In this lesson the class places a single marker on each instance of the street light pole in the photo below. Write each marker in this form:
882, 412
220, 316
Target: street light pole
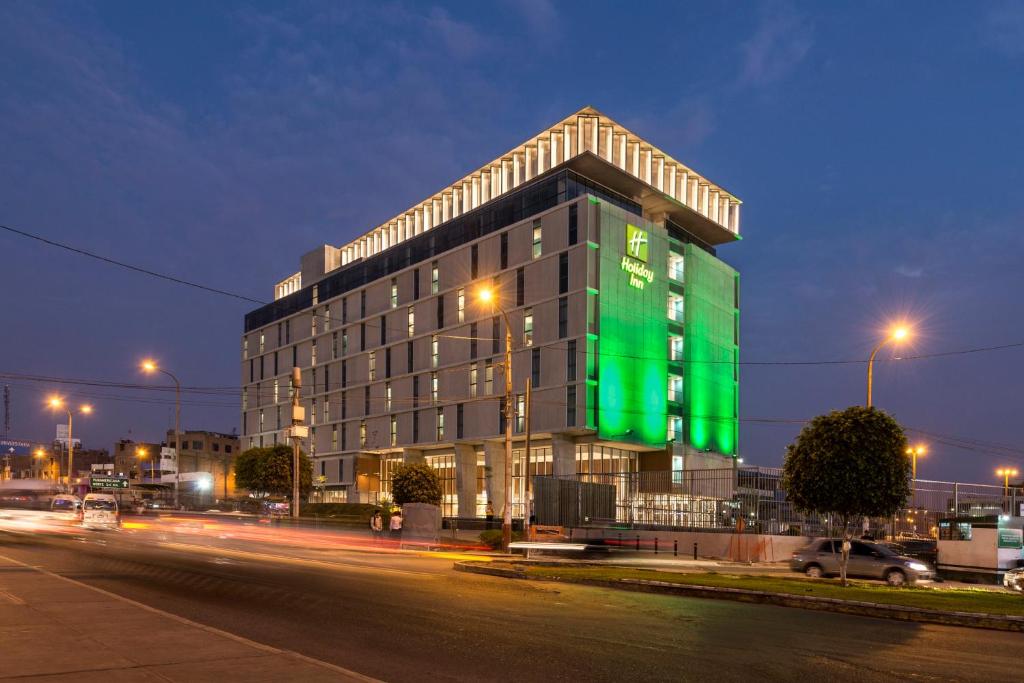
896, 335
151, 366
1006, 473
914, 452
57, 402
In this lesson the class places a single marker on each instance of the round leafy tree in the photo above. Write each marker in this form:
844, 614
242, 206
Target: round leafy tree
848, 464
268, 471
415, 483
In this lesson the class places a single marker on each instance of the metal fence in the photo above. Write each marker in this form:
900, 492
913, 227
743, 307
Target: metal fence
747, 499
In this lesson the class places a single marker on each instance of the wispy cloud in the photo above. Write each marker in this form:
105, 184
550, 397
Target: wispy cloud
1003, 28
909, 271
780, 42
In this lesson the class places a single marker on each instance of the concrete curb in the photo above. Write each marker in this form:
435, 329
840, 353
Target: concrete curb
995, 622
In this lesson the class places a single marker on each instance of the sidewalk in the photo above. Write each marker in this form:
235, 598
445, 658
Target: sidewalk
57, 629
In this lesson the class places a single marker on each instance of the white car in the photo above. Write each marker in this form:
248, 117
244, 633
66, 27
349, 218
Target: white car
99, 511
66, 507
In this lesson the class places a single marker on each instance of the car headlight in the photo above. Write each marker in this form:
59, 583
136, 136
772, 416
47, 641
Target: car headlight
917, 566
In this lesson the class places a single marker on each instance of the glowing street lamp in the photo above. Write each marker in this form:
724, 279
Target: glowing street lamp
915, 452
487, 295
1006, 473
150, 366
58, 403
896, 335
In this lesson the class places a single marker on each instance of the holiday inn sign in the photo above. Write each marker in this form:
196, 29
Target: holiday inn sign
635, 259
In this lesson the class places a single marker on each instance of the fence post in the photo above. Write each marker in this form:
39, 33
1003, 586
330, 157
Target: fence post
695, 550
675, 548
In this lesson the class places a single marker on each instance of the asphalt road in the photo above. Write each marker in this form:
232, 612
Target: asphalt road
402, 618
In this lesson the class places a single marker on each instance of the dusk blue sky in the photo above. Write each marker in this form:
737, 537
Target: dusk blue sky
877, 147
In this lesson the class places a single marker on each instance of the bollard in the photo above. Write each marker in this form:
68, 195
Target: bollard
655, 545
695, 550
675, 548
638, 541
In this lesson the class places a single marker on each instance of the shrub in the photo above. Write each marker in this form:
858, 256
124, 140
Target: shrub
492, 538
416, 483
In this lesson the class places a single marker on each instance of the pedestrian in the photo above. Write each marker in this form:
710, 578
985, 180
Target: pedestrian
489, 511
377, 527
396, 525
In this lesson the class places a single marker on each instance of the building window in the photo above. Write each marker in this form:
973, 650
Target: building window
245, 397
344, 435
440, 311
415, 284
504, 250
280, 331
227, 448
394, 430
313, 317
501, 415
675, 348
415, 392
362, 434
373, 365
366, 400
316, 294
563, 272
675, 308
415, 426
433, 387
461, 302
276, 397
459, 431
312, 353
570, 405
472, 379
334, 349
394, 293
440, 424
344, 310
327, 409
362, 336
387, 397
495, 333
472, 340
675, 266
277, 419
387, 362
488, 378
261, 427
520, 286
536, 239
675, 388
383, 330
433, 351
312, 411
528, 327
334, 437
520, 412
563, 317
362, 304
261, 342
410, 320
344, 374
434, 281
474, 261
327, 318
408, 356
535, 367
287, 331
675, 428
245, 348
344, 343
573, 223
252, 369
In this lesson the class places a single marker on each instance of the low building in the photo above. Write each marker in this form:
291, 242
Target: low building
141, 461
211, 452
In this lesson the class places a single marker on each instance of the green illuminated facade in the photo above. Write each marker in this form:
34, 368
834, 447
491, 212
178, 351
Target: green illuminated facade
663, 347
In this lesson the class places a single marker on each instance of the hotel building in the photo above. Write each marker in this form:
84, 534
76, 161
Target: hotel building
602, 251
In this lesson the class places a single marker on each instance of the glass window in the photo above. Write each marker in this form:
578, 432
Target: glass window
410, 320
387, 397
459, 420
334, 347
488, 378
373, 365
362, 434
472, 380
675, 348
440, 311
472, 340
416, 283
570, 405
474, 260
504, 250
394, 430
520, 286
520, 412
675, 388
528, 327
433, 387
563, 317
563, 272
536, 239
440, 424
261, 342
394, 293
434, 354
535, 367
570, 361
461, 299
573, 224
434, 278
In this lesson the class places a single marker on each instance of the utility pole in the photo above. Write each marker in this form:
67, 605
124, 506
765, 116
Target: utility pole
298, 432
527, 500
506, 522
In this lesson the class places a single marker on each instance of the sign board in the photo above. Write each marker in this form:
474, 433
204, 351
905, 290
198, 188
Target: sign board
1009, 538
105, 481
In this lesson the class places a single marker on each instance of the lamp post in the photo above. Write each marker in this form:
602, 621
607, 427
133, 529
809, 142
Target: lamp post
487, 295
141, 454
39, 454
149, 367
57, 403
898, 334
1006, 473
914, 452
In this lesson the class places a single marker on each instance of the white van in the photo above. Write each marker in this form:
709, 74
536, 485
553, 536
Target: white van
99, 510
66, 507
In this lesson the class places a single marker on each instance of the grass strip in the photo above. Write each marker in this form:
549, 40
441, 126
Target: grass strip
947, 600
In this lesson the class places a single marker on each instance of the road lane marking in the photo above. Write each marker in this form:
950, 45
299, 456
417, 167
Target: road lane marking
11, 598
250, 555
195, 624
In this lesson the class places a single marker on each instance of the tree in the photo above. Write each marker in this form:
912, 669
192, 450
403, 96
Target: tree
268, 471
416, 483
848, 464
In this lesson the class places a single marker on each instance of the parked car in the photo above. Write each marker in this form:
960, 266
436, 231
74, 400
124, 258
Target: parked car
99, 511
924, 549
1014, 579
867, 560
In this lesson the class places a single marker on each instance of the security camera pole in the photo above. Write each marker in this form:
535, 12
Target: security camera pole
298, 432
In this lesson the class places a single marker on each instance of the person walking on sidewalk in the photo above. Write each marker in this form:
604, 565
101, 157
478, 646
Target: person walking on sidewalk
377, 527
396, 525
